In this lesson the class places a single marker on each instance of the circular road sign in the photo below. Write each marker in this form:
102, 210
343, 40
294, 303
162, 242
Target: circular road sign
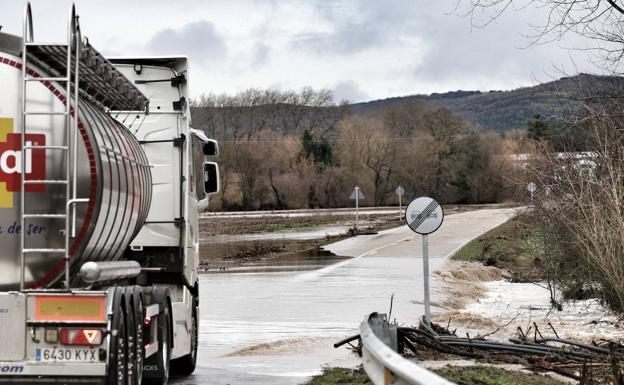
399, 191
531, 187
424, 215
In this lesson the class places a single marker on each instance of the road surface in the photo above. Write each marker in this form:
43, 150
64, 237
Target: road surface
278, 327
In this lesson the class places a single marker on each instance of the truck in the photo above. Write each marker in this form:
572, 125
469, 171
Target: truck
102, 179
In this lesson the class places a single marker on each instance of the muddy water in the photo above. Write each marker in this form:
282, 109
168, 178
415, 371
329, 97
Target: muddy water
289, 263
276, 325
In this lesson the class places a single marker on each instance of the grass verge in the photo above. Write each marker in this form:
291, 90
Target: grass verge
468, 375
336, 376
484, 375
515, 245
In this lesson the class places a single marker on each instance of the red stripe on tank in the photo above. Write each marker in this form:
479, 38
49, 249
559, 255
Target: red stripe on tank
54, 272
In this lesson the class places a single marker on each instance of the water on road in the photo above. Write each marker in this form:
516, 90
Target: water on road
277, 326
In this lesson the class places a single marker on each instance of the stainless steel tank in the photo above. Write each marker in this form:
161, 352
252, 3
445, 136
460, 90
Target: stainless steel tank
112, 172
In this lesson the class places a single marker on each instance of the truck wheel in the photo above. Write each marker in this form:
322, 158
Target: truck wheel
117, 363
138, 334
186, 365
131, 340
160, 362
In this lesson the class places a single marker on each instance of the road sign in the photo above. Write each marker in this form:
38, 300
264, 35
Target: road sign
532, 188
400, 191
424, 215
357, 193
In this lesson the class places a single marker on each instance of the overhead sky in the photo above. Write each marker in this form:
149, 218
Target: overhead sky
361, 49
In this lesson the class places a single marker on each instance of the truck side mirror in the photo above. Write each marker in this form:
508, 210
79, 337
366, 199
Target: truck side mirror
211, 148
211, 177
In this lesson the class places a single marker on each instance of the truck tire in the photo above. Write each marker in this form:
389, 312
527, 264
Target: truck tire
185, 365
137, 299
160, 362
134, 323
117, 364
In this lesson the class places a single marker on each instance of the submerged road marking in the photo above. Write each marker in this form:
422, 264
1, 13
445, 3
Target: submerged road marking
327, 269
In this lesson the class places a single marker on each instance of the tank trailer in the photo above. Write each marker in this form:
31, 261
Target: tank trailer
102, 180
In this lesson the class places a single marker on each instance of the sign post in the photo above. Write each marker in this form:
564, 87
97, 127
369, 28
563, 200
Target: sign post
424, 216
357, 195
400, 191
532, 188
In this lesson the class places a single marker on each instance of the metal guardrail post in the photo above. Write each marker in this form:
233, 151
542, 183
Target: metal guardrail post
385, 366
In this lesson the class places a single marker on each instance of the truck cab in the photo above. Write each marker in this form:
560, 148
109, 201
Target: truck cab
183, 177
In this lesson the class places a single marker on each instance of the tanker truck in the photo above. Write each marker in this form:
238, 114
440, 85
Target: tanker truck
102, 178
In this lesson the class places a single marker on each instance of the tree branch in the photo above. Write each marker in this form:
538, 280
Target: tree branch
615, 6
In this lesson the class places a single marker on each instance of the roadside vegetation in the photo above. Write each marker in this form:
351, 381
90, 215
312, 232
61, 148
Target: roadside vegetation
340, 376
483, 375
514, 246
581, 179
464, 375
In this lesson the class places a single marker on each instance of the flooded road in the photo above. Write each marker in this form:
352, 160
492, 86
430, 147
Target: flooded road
276, 325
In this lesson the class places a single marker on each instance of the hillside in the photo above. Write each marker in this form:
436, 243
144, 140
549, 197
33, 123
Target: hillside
505, 110
493, 110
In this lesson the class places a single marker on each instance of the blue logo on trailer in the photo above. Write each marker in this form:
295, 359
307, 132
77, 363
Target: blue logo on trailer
38, 354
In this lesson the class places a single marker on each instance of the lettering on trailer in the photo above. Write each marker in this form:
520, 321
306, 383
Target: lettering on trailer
11, 162
11, 369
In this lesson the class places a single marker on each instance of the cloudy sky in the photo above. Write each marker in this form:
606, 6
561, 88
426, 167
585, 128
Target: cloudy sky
361, 49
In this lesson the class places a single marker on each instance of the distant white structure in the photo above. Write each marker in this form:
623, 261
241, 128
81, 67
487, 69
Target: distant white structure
583, 159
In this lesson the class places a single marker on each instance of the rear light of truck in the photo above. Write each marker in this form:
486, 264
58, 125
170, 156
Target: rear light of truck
82, 337
70, 308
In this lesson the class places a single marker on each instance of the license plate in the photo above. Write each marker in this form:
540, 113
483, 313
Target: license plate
66, 354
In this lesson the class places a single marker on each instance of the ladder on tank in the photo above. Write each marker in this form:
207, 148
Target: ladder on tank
69, 149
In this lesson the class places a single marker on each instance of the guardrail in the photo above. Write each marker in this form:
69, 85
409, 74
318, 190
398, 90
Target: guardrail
383, 364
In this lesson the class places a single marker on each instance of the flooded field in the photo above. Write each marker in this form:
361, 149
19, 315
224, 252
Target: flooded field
305, 260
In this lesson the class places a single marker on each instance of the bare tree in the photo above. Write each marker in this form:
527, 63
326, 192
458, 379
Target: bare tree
254, 110
583, 207
371, 152
598, 20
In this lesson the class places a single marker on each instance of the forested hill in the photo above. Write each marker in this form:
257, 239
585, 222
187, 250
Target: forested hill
285, 113
506, 110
